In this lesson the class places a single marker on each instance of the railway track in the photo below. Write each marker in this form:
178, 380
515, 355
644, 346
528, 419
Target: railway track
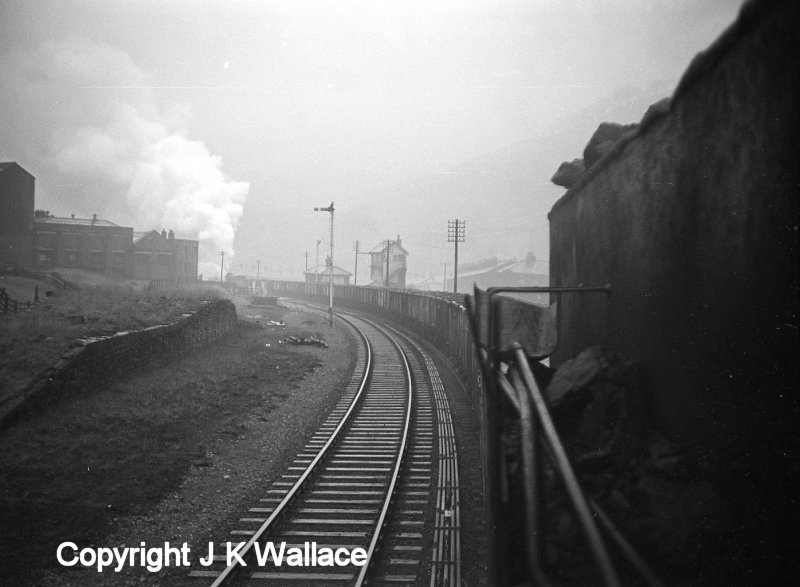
375, 487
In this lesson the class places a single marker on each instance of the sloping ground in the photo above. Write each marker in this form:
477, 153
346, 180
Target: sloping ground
34, 340
23, 289
164, 456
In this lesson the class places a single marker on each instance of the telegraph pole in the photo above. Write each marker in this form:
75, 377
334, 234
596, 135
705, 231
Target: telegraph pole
355, 273
357, 249
388, 244
330, 285
306, 260
316, 263
258, 270
221, 264
455, 234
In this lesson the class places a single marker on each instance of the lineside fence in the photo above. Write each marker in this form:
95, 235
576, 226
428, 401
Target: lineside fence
9, 304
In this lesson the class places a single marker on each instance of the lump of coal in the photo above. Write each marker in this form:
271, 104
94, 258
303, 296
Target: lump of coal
568, 173
603, 139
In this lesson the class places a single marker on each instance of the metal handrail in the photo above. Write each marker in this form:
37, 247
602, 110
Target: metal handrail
564, 467
538, 435
529, 400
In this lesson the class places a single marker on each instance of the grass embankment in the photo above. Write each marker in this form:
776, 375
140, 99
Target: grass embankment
117, 449
34, 340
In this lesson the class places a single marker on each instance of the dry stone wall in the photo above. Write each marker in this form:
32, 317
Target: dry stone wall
126, 353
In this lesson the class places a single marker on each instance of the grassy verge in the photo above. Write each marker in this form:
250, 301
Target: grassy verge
33, 340
116, 450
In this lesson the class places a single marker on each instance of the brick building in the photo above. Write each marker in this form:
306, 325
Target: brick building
35, 239
159, 255
85, 243
389, 256
16, 216
322, 274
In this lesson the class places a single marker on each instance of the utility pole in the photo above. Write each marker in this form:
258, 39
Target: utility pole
388, 245
355, 273
221, 264
455, 234
258, 270
444, 281
357, 249
330, 285
316, 263
306, 261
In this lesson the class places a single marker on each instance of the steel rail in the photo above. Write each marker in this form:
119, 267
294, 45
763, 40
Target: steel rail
446, 552
230, 571
362, 576
446, 559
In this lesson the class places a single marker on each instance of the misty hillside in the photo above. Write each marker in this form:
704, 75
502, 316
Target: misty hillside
504, 195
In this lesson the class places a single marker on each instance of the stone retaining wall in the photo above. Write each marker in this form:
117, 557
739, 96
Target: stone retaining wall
124, 354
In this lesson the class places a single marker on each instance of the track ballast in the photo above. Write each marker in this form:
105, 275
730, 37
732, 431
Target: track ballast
363, 483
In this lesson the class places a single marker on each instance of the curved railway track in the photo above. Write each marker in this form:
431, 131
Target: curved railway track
377, 479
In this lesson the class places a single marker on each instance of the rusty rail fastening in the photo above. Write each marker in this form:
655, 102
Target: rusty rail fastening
513, 379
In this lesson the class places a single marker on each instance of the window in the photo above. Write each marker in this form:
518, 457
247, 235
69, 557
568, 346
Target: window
96, 258
70, 257
70, 241
96, 242
45, 257
118, 259
46, 240
163, 259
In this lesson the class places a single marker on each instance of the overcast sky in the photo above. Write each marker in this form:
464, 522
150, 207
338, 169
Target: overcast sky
221, 118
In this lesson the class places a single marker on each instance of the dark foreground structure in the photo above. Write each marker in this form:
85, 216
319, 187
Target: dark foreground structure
693, 221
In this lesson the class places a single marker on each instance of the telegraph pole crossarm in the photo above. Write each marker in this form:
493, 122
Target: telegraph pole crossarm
455, 234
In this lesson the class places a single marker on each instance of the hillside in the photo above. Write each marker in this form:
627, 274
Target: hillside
504, 195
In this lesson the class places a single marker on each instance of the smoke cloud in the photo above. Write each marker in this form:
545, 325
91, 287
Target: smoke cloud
120, 153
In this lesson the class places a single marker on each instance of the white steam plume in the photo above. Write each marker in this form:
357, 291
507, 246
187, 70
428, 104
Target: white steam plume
171, 181
109, 133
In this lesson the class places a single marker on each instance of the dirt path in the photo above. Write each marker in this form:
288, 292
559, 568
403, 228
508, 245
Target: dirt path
175, 455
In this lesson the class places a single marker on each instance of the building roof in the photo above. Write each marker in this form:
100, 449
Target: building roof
499, 266
139, 235
4, 165
322, 270
75, 221
396, 247
529, 266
